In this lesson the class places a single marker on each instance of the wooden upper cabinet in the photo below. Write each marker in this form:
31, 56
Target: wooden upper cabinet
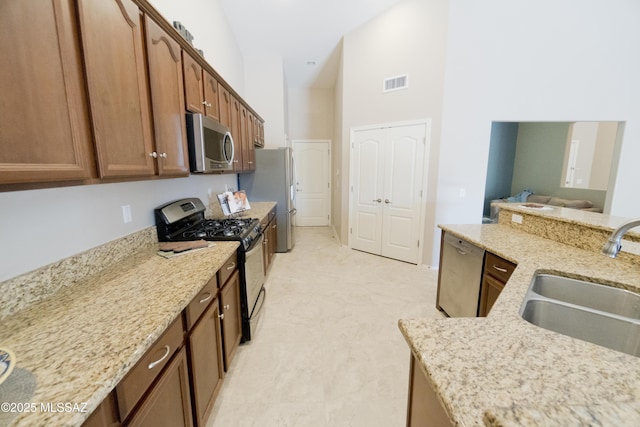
167, 101
211, 96
237, 133
193, 84
201, 89
112, 37
44, 122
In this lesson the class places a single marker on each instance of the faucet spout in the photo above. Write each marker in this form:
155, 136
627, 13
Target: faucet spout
613, 246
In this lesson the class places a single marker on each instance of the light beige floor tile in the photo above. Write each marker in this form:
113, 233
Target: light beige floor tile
327, 350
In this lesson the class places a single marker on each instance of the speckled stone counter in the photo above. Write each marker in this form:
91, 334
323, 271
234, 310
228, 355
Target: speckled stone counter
82, 340
503, 371
258, 210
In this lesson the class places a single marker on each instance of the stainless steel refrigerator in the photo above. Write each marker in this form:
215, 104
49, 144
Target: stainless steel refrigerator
274, 180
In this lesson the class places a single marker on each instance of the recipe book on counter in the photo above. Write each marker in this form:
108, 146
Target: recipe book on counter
233, 202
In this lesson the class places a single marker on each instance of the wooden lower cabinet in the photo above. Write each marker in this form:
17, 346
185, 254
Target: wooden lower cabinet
169, 401
424, 408
105, 415
494, 277
231, 317
206, 362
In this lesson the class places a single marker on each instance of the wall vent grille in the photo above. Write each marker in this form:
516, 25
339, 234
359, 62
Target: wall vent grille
395, 83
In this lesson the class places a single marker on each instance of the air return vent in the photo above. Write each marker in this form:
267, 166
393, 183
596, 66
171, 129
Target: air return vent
395, 83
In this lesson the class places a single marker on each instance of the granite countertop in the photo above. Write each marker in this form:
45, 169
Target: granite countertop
503, 371
80, 342
258, 210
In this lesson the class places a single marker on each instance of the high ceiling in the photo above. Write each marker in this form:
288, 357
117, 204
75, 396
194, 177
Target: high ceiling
305, 33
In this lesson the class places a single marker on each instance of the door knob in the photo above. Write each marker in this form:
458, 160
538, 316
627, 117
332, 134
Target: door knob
377, 200
387, 201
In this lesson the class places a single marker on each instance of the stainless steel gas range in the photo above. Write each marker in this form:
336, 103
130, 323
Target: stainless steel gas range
183, 220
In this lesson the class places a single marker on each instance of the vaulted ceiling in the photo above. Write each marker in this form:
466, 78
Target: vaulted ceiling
305, 33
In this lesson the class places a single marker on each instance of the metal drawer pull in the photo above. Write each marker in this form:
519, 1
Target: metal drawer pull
167, 350
221, 316
502, 270
207, 298
231, 266
227, 306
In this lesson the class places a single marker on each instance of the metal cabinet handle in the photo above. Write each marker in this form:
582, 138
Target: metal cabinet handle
221, 316
153, 154
227, 307
265, 241
204, 103
167, 350
274, 226
231, 266
207, 298
502, 270
387, 201
162, 155
250, 163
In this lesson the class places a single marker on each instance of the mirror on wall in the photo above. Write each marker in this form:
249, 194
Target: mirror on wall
570, 160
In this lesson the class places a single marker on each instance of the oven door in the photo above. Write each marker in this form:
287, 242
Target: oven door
254, 277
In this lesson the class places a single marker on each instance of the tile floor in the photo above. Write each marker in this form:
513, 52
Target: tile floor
328, 351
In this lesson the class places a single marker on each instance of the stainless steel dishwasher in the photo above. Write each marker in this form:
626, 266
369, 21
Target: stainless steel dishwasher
460, 277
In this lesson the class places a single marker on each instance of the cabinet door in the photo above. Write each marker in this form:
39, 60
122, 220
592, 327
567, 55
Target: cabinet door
207, 367
44, 121
105, 415
231, 318
193, 84
211, 96
250, 163
167, 101
169, 402
236, 132
424, 408
491, 289
112, 38
224, 99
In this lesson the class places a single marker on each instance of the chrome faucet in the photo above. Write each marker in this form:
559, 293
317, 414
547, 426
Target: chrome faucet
612, 246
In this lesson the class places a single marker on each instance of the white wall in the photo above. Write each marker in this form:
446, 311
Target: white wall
542, 60
211, 32
311, 113
266, 93
408, 38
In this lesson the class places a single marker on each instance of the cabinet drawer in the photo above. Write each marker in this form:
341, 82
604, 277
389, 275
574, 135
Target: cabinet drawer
137, 381
198, 305
498, 267
227, 269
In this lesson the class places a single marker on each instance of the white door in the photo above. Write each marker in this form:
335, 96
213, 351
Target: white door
388, 170
312, 183
368, 177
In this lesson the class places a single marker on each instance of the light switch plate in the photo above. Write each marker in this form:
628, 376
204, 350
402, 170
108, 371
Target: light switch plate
126, 214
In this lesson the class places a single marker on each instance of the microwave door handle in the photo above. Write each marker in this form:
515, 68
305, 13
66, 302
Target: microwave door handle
228, 137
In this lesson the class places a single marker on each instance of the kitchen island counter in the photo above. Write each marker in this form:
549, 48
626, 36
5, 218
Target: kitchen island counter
503, 371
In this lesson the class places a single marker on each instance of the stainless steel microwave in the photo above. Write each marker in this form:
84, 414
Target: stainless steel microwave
210, 145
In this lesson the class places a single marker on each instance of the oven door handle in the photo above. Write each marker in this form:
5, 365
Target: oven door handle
256, 246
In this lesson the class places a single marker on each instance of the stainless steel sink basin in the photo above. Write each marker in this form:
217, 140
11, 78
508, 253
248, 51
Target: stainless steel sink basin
591, 312
587, 294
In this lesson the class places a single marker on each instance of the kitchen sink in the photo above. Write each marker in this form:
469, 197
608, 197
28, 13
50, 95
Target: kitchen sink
591, 312
587, 294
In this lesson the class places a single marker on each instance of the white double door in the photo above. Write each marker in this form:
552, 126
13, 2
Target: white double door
387, 177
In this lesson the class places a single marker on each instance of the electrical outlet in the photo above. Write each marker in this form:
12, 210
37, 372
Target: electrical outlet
516, 218
126, 214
